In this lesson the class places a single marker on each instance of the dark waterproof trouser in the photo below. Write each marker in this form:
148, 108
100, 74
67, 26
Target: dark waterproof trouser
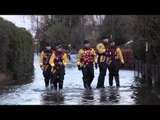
47, 75
102, 74
57, 77
88, 75
114, 71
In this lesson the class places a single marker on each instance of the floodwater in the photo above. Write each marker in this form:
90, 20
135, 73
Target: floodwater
34, 93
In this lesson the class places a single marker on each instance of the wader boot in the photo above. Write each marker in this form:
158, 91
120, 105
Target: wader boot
117, 81
100, 83
110, 80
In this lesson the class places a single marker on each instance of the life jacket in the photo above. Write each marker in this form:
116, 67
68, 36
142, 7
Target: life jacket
87, 56
112, 52
47, 55
58, 58
107, 54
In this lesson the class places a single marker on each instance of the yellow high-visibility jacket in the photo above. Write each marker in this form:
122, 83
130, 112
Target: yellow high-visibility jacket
101, 49
43, 56
82, 54
119, 55
44, 60
53, 57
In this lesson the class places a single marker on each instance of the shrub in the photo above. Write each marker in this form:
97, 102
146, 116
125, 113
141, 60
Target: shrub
16, 50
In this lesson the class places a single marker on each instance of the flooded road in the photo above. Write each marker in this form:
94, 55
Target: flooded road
34, 93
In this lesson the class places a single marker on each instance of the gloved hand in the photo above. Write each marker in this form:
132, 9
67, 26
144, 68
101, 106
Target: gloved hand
41, 66
57, 67
79, 68
65, 64
122, 65
52, 65
96, 65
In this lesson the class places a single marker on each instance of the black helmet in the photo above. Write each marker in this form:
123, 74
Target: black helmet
110, 41
48, 44
59, 46
86, 42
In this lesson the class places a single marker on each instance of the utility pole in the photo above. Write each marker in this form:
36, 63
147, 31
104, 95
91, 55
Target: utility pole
146, 71
112, 27
148, 65
37, 37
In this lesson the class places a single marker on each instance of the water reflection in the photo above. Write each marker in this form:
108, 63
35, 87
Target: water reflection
114, 95
109, 95
103, 95
145, 96
88, 97
52, 98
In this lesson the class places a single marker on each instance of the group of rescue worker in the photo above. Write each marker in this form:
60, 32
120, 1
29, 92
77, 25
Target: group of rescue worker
53, 65
109, 56
106, 55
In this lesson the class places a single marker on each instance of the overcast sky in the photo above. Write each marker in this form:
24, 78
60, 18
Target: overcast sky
24, 21
19, 20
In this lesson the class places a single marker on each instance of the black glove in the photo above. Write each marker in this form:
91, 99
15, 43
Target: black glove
41, 66
79, 67
122, 65
96, 65
56, 67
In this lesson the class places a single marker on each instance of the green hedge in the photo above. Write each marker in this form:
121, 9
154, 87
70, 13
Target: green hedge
16, 50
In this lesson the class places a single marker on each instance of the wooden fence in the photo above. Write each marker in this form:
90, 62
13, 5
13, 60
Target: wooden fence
150, 74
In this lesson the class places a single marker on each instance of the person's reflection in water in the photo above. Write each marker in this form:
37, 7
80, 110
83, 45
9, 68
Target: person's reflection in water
53, 98
88, 96
114, 95
103, 95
